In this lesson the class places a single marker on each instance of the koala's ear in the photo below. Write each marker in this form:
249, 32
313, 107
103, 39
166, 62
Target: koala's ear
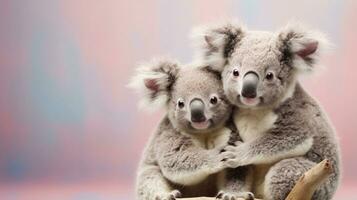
153, 80
214, 44
301, 48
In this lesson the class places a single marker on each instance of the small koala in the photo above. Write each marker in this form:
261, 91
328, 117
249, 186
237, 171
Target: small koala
182, 156
284, 130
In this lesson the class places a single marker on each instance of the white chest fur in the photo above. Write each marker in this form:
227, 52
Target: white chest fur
212, 140
253, 124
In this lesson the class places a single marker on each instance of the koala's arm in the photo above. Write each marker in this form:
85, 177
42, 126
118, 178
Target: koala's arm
151, 183
184, 162
290, 137
238, 181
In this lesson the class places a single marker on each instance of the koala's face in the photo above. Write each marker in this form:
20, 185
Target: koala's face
193, 95
255, 76
259, 69
198, 103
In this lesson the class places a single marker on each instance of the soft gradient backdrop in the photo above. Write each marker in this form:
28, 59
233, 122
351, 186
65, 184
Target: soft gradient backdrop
70, 129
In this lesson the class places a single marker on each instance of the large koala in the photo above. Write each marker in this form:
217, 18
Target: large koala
181, 158
284, 130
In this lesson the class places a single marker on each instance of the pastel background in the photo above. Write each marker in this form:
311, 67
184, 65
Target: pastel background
70, 129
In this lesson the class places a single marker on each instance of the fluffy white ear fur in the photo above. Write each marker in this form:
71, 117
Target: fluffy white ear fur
211, 43
305, 45
153, 80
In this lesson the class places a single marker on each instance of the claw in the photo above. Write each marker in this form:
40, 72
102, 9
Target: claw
219, 195
228, 155
230, 148
230, 163
247, 195
237, 143
176, 193
168, 196
232, 143
235, 196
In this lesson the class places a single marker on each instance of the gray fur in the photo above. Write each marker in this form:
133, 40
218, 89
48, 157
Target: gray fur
181, 160
284, 130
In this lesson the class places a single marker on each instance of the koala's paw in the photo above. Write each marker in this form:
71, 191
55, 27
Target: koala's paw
237, 143
235, 196
168, 196
234, 156
246, 195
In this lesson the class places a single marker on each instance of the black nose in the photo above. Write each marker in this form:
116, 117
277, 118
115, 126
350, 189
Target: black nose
197, 110
250, 83
249, 92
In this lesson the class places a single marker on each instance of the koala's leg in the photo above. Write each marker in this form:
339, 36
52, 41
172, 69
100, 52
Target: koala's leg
282, 177
151, 185
236, 183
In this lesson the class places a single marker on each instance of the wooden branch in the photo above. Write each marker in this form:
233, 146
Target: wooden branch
304, 187
310, 181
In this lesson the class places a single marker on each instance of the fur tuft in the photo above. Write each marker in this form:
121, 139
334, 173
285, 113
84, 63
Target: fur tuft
153, 81
303, 46
214, 43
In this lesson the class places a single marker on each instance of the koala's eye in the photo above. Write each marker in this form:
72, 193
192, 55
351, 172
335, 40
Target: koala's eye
180, 103
213, 100
269, 76
235, 72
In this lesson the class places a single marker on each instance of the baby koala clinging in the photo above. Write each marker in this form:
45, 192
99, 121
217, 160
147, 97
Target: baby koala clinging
181, 158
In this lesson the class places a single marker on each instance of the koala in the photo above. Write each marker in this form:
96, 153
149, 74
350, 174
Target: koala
182, 156
284, 130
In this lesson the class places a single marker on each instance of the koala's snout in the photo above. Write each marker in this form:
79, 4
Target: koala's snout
250, 83
197, 108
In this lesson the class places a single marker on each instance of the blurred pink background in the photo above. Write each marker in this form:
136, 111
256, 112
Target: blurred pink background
70, 129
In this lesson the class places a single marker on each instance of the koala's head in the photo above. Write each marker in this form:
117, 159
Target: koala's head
193, 95
259, 69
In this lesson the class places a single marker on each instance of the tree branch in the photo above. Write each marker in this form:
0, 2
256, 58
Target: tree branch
310, 181
304, 187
